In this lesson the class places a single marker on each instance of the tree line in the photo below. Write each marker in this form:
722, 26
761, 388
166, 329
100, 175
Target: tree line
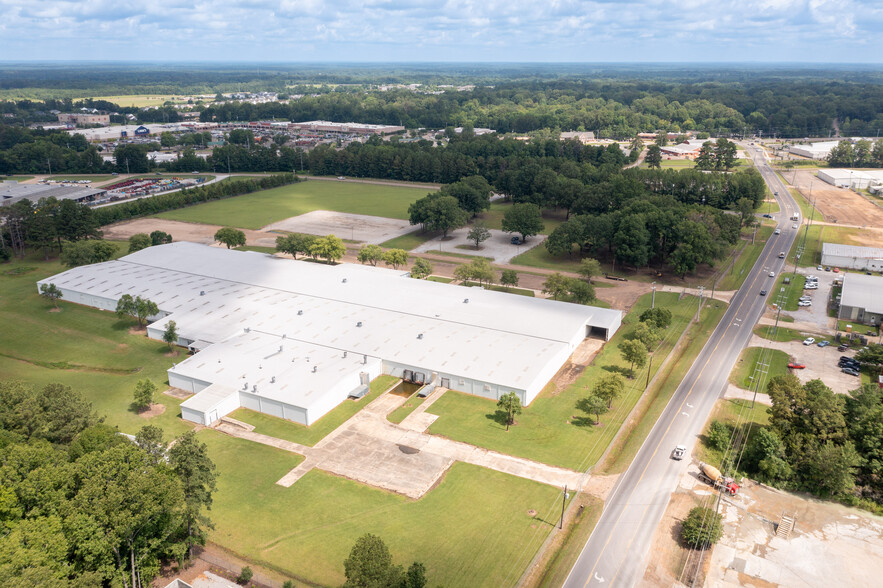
83, 505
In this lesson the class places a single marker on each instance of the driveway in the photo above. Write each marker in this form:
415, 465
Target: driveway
818, 312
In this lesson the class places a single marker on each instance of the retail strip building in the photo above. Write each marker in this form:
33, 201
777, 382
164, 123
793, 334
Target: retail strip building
294, 339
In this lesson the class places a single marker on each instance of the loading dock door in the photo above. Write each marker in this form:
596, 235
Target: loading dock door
408, 376
596, 332
446, 383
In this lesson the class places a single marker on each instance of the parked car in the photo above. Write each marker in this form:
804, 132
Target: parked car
851, 371
797, 366
820, 268
836, 270
809, 341
827, 268
804, 303
515, 240
678, 452
823, 343
767, 216
842, 347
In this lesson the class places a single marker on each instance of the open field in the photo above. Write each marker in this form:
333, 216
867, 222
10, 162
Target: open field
142, 100
308, 529
838, 205
742, 374
90, 350
741, 266
297, 433
551, 430
816, 234
258, 209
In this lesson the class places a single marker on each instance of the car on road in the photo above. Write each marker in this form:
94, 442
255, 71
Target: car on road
823, 343
515, 240
341, 178
809, 341
767, 216
763, 292
797, 366
777, 232
794, 226
781, 255
772, 274
851, 371
678, 452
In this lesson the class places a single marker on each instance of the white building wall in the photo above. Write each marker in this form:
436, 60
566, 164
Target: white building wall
859, 263
186, 383
460, 383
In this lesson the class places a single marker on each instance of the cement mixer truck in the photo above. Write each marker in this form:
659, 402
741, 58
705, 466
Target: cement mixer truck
712, 475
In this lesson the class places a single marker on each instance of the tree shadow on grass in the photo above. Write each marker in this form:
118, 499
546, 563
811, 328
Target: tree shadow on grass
583, 421
618, 369
498, 417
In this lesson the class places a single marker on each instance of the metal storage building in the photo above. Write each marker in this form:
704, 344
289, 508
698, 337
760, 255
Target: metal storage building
852, 257
861, 299
295, 338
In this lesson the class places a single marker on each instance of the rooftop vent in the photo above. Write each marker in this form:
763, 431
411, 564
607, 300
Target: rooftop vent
359, 324
247, 330
254, 388
273, 380
315, 367
300, 312
465, 301
344, 353
420, 335
202, 292
364, 359
343, 281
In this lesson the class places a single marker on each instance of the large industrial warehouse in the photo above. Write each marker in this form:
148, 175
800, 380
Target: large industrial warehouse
294, 339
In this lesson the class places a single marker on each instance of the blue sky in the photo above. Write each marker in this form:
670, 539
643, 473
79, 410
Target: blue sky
845, 31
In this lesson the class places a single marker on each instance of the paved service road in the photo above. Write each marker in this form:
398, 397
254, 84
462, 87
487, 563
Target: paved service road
616, 553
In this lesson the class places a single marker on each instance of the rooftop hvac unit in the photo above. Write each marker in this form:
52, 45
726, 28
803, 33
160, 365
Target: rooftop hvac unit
315, 368
420, 335
202, 292
300, 312
359, 324
364, 359
344, 353
343, 281
465, 301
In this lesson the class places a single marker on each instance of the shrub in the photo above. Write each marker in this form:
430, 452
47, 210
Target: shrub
702, 528
245, 575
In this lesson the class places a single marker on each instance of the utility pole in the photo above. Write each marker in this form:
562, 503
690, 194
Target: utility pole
649, 369
50, 165
563, 503
698, 308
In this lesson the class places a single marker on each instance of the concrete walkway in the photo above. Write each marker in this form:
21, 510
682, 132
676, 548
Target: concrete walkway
370, 449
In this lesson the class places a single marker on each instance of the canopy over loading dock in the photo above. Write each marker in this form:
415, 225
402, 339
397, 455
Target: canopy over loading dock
244, 308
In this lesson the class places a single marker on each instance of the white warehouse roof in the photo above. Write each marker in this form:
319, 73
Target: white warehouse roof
862, 291
214, 294
841, 250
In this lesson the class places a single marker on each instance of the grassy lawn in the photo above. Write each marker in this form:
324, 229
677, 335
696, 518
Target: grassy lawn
88, 349
15, 178
297, 433
540, 257
624, 450
142, 100
576, 536
93, 177
551, 430
454, 254
740, 268
770, 206
258, 209
258, 248
743, 374
410, 405
307, 530
793, 291
411, 240
815, 235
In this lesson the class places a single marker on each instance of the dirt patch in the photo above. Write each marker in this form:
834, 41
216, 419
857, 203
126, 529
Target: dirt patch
172, 353
54, 310
178, 393
138, 331
181, 231
600, 486
531, 513
154, 410
837, 204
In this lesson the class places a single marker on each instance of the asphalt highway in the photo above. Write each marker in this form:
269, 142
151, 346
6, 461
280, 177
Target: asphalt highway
616, 553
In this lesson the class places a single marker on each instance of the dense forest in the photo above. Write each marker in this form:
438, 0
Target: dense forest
613, 101
82, 505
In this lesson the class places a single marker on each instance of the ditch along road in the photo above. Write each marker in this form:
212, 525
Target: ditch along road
616, 553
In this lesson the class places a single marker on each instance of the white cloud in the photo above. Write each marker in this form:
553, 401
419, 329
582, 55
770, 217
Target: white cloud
463, 30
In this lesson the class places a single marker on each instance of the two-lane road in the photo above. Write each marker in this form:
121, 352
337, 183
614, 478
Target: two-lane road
616, 553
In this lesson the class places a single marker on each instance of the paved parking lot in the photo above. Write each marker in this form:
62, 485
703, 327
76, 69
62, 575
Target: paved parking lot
821, 363
498, 248
357, 227
818, 312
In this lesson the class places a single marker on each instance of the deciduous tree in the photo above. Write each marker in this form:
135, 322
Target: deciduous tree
509, 278
525, 219
478, 234
230, 237
143, 395
370, 254
702, 528
395, 257
593, 404
421, 269
51, 292
139, 241
190, 461
170, 334
608, 388
634, 352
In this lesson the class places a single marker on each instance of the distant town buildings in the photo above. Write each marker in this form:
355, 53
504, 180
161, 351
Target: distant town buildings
12, 192
77, 118
325, 126
584, 137
858, 179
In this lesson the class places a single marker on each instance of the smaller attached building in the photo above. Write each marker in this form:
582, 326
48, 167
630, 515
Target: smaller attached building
853, 257
862, 299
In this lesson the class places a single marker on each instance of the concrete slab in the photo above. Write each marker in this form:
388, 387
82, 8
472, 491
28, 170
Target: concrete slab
356, 227
498, 248
821, 363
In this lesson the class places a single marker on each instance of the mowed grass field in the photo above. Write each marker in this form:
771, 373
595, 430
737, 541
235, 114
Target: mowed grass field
551, 430
90, 350
258, 209
473, 529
